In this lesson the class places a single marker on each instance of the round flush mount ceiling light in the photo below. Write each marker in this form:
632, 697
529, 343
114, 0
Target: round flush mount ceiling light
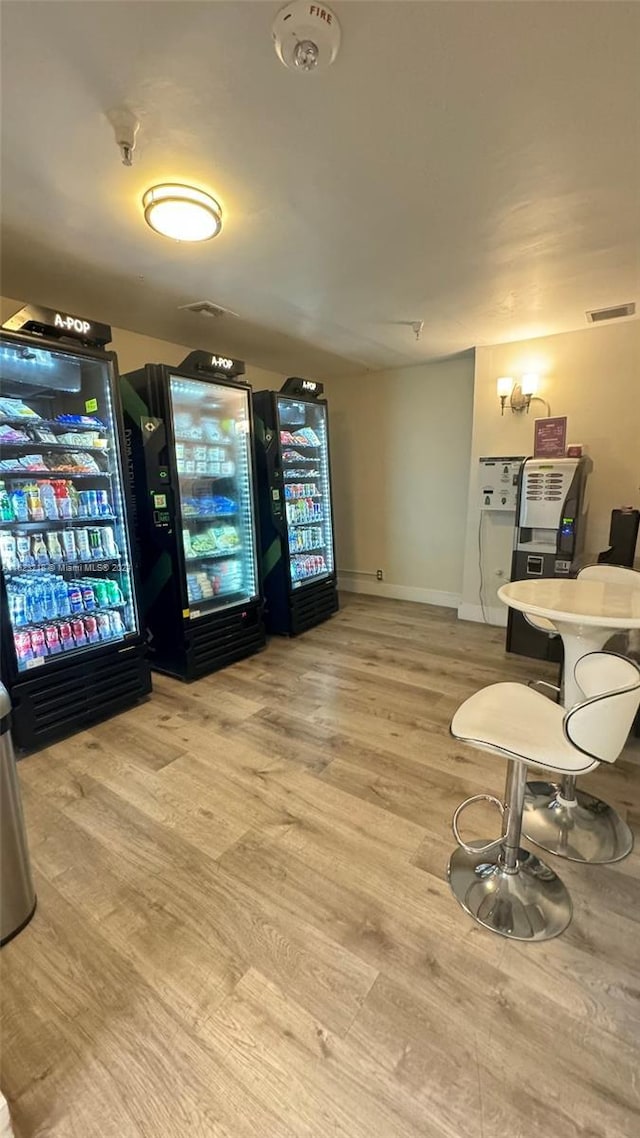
182, 212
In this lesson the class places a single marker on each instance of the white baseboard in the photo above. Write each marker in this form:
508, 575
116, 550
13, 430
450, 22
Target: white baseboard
373, 588
491, 615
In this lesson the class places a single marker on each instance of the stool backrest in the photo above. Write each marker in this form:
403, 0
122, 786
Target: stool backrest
599, 726
611, 575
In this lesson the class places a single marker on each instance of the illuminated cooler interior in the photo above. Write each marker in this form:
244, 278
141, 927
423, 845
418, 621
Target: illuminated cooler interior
215, 488
64, 545
307, 489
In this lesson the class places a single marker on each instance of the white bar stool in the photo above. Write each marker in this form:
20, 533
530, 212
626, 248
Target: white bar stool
559, 817
502, 886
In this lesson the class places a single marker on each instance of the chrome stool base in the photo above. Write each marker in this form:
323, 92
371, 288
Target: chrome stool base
588, 830
529, 904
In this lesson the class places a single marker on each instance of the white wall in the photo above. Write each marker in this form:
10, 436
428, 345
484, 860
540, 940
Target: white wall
593, 377
134, 350
400, 455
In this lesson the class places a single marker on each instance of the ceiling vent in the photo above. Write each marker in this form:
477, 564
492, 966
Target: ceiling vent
206, 308
597, 315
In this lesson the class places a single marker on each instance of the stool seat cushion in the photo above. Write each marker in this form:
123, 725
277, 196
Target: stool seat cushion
514, 721
542, 623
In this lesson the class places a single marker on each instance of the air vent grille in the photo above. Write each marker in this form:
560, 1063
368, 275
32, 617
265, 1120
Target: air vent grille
597, 315
206, 308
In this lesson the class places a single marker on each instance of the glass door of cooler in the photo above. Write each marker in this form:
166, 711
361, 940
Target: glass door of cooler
64, 543
304, 451
211, 425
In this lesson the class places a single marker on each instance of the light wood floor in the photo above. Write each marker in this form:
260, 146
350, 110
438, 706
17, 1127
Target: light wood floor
244, 928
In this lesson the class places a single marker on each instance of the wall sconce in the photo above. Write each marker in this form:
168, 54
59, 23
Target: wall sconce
518, 394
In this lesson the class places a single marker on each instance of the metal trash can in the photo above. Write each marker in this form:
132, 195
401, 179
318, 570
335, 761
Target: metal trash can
17, 895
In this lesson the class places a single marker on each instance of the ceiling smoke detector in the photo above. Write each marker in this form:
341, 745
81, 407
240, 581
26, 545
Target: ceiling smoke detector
597, 315
206, 308
306, 36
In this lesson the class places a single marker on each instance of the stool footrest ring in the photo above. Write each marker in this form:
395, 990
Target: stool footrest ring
474, 850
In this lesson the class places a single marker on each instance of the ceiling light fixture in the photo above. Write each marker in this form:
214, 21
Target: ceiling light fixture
182, 212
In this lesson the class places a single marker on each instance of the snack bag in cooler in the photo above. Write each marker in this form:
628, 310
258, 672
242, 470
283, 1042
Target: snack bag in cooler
16, 409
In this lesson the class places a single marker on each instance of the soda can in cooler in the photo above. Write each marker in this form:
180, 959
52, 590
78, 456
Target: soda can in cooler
95, 543
78, 631
52, 639
115, 592
66, 636
104, 625
103, 504
83, 504
24, 650
38, 642
101, 593
117, 625
88, 595
91, 628
75, 597
92, 503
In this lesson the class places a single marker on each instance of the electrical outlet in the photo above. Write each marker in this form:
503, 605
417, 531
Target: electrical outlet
380, 574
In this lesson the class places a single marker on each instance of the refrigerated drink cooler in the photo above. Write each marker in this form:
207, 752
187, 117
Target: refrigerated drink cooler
72, 647
296, 511
190, 432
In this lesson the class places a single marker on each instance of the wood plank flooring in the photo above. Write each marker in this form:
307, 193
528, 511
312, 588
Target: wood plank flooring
244, 928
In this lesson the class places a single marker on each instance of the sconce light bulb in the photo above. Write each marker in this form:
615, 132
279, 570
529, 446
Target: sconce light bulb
504, 386
529, 383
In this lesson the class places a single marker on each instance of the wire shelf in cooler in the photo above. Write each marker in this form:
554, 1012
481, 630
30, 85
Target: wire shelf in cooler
81, 614
209, 477
311, 522
58, 523
100, 565
208, 517
309, 549
213, 555
205, 442
46, 474
51, 424
68, 448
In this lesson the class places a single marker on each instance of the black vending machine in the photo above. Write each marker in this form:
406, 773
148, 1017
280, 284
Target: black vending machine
549, 538
191, 461
296, 510
72, 646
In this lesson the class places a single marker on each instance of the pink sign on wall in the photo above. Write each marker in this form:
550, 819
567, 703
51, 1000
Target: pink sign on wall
550, 437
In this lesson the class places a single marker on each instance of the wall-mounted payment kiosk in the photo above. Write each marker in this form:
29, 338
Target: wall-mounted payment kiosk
549, 538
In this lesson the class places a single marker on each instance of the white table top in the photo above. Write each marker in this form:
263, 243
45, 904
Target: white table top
575, 602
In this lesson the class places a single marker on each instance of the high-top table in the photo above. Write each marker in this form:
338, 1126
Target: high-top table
585, 613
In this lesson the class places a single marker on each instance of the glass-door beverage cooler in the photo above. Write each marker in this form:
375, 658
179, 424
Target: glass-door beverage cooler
72, 647
192, 470
296, 510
